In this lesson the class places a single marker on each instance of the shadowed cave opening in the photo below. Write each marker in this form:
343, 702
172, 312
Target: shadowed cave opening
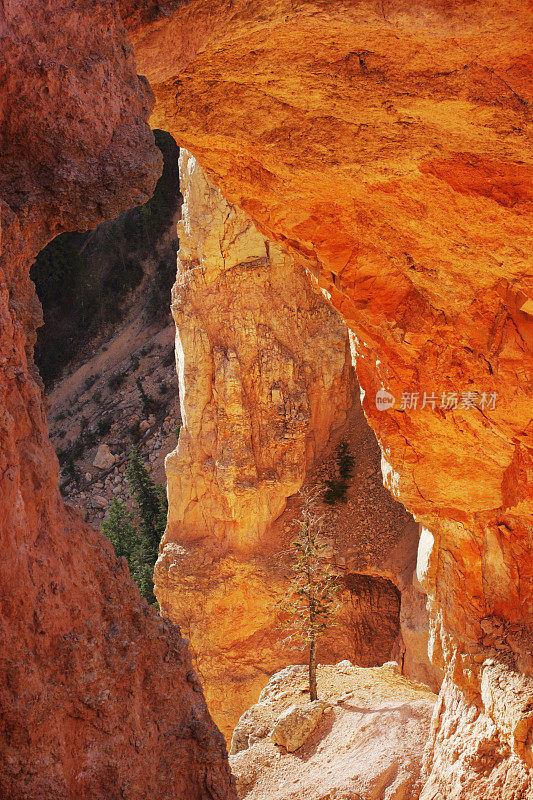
370, 620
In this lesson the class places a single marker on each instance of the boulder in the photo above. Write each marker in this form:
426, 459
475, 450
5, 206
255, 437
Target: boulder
294, 726
104, 458
99, 501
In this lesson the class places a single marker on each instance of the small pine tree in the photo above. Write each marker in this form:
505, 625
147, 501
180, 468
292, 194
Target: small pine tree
144, 397
345, 461
311, 604
120, 529
152, 505
150, 404
337, 487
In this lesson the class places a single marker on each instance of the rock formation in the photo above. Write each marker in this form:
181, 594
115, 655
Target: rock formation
265, 379
98, 697
294, 725
385, 146
263, 365
364, 739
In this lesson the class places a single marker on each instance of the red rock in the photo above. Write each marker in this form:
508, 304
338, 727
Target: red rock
97, 693
386, 147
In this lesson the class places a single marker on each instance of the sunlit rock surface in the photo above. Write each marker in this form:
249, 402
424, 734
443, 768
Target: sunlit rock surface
264, 370
387, 147
367, 744
265, 384
263, 365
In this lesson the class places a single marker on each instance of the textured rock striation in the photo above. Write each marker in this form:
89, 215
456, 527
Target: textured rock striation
412, 120
265, 383
262, 363
264, 373
98, 697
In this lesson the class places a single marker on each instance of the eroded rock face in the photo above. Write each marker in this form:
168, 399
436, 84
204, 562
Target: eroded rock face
264, 373
262, 363
265, 378
480, 755
98, 697
412, 121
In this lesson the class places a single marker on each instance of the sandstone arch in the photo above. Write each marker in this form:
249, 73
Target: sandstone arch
419, 238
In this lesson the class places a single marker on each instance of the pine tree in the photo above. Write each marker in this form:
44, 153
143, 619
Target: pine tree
345, 461
152, 507
337, 486
311, 605
120, 530
139, 541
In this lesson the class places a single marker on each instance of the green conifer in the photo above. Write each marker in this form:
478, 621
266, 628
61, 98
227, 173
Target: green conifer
139, 542
152, 505
120, 530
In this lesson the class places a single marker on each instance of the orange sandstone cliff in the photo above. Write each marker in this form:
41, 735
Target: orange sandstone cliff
266, 384
98, 697
385, 146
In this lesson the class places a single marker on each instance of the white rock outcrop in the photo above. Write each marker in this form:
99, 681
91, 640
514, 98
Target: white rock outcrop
294, 726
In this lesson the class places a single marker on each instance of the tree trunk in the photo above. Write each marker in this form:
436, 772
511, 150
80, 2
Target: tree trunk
312, 670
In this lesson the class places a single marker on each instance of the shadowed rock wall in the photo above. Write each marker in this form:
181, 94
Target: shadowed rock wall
98, 697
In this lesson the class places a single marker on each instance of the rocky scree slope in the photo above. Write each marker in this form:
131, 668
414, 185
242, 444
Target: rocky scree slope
115, 378
91, 284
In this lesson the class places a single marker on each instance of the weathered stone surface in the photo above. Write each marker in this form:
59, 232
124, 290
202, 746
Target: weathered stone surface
466, 752
265, 377
419, 229
294, 725
263, 365
412, 121
94, 696
368, 745
104, 458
